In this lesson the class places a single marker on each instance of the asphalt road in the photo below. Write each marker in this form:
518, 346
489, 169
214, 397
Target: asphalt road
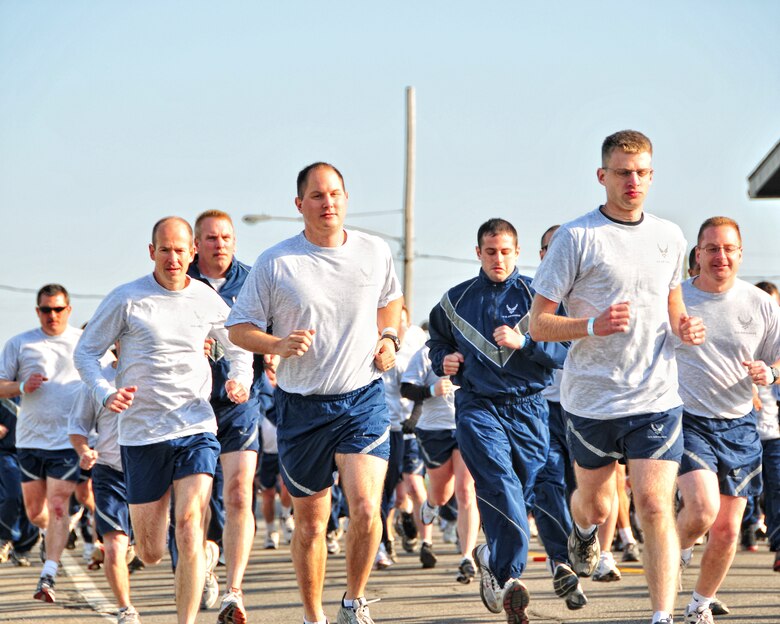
408, 593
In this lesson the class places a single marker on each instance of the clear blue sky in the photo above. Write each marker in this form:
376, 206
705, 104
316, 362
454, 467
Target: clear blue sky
113, 114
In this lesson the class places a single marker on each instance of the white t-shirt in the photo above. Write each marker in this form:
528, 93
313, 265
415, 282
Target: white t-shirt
398, 407
743, 324
592, 263
161, 334
335, 291
438, 412
768, 425
43, 415
89, 417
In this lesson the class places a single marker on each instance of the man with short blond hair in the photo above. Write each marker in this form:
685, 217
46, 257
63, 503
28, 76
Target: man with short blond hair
215, 264
617, 271
721, 465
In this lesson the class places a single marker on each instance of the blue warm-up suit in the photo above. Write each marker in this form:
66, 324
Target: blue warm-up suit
501, 417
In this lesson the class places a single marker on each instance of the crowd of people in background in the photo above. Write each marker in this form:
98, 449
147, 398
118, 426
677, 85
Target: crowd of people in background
603, 403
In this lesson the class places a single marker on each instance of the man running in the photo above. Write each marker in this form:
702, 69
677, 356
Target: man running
334, 302
617, 271
163, 382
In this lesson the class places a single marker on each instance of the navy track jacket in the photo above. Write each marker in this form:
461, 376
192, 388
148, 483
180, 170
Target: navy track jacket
465, 319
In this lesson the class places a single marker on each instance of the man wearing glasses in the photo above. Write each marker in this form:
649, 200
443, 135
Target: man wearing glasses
38, 366
721, 465
617, 270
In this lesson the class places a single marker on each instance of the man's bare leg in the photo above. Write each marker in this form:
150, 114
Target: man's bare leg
57, 497
652, 482
468, 513
150, 528
191, 497
701, 502
309, 552
591, 502
238, 534
721, 545
34, 495
115, 566
362, 479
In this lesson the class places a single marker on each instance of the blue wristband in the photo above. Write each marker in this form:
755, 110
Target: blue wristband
591, 323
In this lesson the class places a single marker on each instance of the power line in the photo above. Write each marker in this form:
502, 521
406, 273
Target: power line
34, 291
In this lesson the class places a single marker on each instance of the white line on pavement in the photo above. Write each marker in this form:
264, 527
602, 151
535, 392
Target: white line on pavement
86, 588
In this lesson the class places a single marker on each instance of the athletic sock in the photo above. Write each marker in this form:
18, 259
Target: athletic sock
626, 536
661, 615
347, 604
50, 568
686, 554
286, 514
586, 532
305, 621
698, 599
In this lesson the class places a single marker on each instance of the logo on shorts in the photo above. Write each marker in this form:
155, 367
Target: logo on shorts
68, 462
735, 472
656, 431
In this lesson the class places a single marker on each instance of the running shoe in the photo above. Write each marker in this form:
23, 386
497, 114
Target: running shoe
20, 559
45, 589
749, 539
489, 589
515, 599
566, 585
583, 553
72, 537
427, 557
127, 616
684, 563
408, 532
272, 541
390, 550
97, 558
631, 553
449, 531
86, 553
232, 609
466, 571
332, 543
699, 615
718, 607
382, 561
356, 614
5, 550
428, 513
288, 526
210, 594
606, 570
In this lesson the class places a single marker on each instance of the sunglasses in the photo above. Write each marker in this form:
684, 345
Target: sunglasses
49, 310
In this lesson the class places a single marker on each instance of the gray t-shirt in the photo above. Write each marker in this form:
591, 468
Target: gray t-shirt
438, 412
161, 334
88, 416
742, 324
592, 263
43, 414
335, 291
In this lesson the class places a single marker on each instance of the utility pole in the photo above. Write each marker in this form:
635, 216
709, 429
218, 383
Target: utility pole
408, 243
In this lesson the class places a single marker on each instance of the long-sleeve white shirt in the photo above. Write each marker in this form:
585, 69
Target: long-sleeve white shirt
161, 334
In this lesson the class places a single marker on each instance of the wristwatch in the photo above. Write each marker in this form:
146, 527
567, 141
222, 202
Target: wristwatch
394, 338
775, 373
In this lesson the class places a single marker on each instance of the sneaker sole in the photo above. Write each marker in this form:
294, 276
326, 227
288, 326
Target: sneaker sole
576, 600
483, 576
231, 615
565, 585
609, 577
515, 604
428, 560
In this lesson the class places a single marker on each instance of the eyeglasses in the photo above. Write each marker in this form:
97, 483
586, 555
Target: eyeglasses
727, 249
626, 173
49, 310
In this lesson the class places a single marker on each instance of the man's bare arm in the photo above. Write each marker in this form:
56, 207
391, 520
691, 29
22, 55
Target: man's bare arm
390, 315
689, 329
547, 326
254, 340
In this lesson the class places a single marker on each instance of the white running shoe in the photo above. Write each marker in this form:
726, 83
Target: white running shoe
428, 513
210, 594
288, 526
232, 611
489, 589
607, 570
382, 561
356, 614
700, 615
583, 553
272, 540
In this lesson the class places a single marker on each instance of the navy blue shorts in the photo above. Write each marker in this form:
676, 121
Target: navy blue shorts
730, 448
268, 471
150, 469
436, 446
111, 510
38, 464
413, 463
237, 428
597, 443
311, 430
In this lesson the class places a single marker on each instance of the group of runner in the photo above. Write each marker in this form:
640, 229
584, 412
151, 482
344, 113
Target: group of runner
527, 397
